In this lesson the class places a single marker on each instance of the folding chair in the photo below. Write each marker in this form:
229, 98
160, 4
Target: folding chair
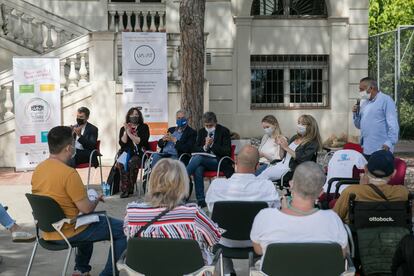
161, 257
89, 165
49, 217
379, 223
303, 259
227, 214
146, 162
214, 174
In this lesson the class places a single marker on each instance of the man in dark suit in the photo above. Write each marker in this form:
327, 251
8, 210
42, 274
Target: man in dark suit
213, 142
178, 140
86, 136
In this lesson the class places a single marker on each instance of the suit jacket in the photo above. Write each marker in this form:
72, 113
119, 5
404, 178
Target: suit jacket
88, 140
221, 146
186, 142
143, 133
304, 152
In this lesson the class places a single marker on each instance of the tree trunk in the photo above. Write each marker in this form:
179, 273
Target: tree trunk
192, 59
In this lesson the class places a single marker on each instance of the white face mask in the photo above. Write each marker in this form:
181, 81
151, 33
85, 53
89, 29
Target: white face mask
364, 95
210, 130
301, 129
269, 130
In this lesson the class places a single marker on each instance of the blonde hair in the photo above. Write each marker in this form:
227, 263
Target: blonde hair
270, 119
312, 130
168, 184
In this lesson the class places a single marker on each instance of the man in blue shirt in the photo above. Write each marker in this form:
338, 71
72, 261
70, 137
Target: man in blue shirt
376, 117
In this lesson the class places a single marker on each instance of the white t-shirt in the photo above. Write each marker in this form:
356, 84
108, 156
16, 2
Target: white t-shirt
341, 165
273, 226
269, 147
241, 187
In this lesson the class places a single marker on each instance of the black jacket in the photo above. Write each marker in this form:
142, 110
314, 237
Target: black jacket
186, 142
221, 146
304, 152
88, 140
143, 133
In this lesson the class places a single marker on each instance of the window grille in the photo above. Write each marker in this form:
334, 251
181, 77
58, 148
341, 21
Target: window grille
289, 81
289, 8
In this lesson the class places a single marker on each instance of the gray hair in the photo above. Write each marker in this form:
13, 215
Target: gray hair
182, 111
370, 82
308, 180
209, 117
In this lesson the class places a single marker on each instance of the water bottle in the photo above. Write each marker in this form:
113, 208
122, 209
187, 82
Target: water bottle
106, 189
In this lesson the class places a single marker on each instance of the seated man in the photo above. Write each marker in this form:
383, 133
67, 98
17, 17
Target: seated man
178, 140
299, 221
86, 135
54, 178
243, 185
378, 172
213, 142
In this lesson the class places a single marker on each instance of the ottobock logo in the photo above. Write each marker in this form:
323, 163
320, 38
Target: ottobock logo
381, 219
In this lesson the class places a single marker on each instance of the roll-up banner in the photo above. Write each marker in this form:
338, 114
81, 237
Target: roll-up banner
144, 76
37, 107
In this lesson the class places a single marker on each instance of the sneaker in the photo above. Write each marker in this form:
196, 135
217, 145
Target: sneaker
78, 273
21, 236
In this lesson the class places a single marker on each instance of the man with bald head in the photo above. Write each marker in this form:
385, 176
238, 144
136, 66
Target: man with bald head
243, 185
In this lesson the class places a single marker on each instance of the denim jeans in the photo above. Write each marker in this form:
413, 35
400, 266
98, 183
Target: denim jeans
157, 157
5, 219
96, 232
198, 164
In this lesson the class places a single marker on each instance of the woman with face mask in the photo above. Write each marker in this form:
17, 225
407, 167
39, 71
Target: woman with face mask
269, 150
301, 147
133, 138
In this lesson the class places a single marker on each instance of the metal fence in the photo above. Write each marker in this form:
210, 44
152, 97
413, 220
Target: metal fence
391, 62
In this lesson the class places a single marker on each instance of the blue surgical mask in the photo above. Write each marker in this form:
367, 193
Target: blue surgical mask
181, 122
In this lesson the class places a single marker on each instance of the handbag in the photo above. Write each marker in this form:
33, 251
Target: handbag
113, 179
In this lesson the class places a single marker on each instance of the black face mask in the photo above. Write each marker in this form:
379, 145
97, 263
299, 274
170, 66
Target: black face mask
80, 121
134, 120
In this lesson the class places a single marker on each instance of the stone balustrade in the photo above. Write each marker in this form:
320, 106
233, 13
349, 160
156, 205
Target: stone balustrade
136, 17
34, 28
74, 74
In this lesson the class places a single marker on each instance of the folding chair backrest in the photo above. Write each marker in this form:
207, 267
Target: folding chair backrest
364, 214
236, 217
400, 171
153, 145
303, 259
160, 257
45, 211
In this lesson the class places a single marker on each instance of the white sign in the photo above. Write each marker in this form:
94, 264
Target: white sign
144, 76
37, 107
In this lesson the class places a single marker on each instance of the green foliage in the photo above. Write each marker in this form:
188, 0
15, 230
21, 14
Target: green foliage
386, 15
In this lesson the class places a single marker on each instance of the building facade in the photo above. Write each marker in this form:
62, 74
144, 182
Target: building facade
280, 57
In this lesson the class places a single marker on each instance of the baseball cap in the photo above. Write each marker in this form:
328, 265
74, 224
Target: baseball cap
381, 163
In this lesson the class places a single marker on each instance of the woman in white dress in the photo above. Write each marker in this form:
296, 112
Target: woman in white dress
301, 147
269, 150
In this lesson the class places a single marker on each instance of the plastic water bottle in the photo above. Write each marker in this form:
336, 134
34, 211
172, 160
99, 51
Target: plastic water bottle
106, 189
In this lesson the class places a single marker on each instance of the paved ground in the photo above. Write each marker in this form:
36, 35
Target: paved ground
16, 256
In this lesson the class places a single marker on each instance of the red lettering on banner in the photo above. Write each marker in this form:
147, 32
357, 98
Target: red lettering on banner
28, 139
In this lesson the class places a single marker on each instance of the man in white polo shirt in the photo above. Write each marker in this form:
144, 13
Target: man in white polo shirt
243, 185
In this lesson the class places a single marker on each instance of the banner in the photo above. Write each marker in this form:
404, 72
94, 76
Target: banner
144, 76
37, 107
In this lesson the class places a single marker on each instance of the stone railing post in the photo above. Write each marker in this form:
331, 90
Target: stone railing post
62, 76
83, 73
73, 76
8, 104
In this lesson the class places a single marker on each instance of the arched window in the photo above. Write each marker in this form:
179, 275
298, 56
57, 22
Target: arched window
289, 8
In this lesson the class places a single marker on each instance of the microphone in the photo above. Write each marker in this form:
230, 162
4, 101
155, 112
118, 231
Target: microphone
210, 134
358, 106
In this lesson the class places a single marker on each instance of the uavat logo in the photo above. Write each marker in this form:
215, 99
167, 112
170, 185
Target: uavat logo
144, 55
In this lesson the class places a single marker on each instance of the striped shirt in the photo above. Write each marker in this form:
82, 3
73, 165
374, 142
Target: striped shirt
183, 222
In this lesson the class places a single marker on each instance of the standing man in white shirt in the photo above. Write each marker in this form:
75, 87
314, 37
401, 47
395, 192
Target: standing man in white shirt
243, 185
